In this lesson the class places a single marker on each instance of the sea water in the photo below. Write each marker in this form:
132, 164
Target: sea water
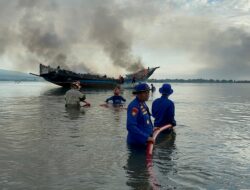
43, 145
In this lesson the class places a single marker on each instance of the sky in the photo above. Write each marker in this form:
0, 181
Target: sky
186, 38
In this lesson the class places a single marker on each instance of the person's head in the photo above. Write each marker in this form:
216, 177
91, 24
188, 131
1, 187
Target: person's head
117, 91
76, 85
166, 89
152, 84
142, 91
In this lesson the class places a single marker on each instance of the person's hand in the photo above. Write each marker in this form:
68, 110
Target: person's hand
87, 104
151, 140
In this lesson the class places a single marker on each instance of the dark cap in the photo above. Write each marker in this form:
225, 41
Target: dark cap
166, 89
142, 87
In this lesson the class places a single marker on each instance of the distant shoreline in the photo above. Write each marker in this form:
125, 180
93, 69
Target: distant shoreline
196, 81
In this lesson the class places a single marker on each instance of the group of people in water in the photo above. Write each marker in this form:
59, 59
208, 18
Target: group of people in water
139, 124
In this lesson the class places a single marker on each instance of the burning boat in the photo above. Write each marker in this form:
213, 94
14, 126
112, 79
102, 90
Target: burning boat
64, 77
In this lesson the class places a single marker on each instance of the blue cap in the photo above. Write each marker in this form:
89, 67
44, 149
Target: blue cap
166, 89
142, 87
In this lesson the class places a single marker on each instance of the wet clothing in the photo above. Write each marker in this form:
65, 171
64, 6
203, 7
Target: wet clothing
139, 124
116, 99
73, 97
163, 110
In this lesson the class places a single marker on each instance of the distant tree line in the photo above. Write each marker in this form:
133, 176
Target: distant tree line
196, 81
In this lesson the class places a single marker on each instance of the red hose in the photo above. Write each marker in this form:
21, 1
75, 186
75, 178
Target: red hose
153, 181
150, 145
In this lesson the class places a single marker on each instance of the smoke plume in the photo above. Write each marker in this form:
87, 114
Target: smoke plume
62, 33
94, 35
114, 38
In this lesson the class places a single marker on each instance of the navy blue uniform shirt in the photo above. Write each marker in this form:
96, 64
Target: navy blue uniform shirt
116, 99
163, 111
139, 124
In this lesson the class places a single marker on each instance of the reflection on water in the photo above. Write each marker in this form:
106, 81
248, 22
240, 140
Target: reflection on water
55, 91
139, 175
164, 155
74, 112
44, 145
136, 168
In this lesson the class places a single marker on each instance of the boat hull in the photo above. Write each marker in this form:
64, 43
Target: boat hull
64, 78
84, 82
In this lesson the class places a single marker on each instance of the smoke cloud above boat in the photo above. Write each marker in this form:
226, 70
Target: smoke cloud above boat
66, 33
199, 38
108, 30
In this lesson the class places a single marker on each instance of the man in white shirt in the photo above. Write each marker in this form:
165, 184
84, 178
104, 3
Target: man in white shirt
73, 97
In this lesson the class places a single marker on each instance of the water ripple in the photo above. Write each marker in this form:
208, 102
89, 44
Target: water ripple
43, 145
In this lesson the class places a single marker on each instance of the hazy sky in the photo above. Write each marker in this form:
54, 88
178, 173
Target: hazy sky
186, 38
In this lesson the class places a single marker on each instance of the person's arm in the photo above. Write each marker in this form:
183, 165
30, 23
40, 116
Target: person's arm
154, 113
81, 96
108, 99
83, 99
172, 114
86, 103
123, 99
154, 109
132, 126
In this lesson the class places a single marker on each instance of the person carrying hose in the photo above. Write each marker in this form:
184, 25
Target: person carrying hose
139, 124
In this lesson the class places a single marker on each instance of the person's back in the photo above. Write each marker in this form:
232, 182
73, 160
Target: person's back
73, 97
163, 109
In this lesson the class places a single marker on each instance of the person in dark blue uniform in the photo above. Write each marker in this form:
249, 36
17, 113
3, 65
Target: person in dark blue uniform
163, 109
139, 124
116, 99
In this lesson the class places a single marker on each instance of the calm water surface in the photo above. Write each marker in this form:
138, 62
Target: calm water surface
45, 146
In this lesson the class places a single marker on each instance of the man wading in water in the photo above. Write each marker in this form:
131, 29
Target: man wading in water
139, 124
73, 97
163, 109
117, 99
